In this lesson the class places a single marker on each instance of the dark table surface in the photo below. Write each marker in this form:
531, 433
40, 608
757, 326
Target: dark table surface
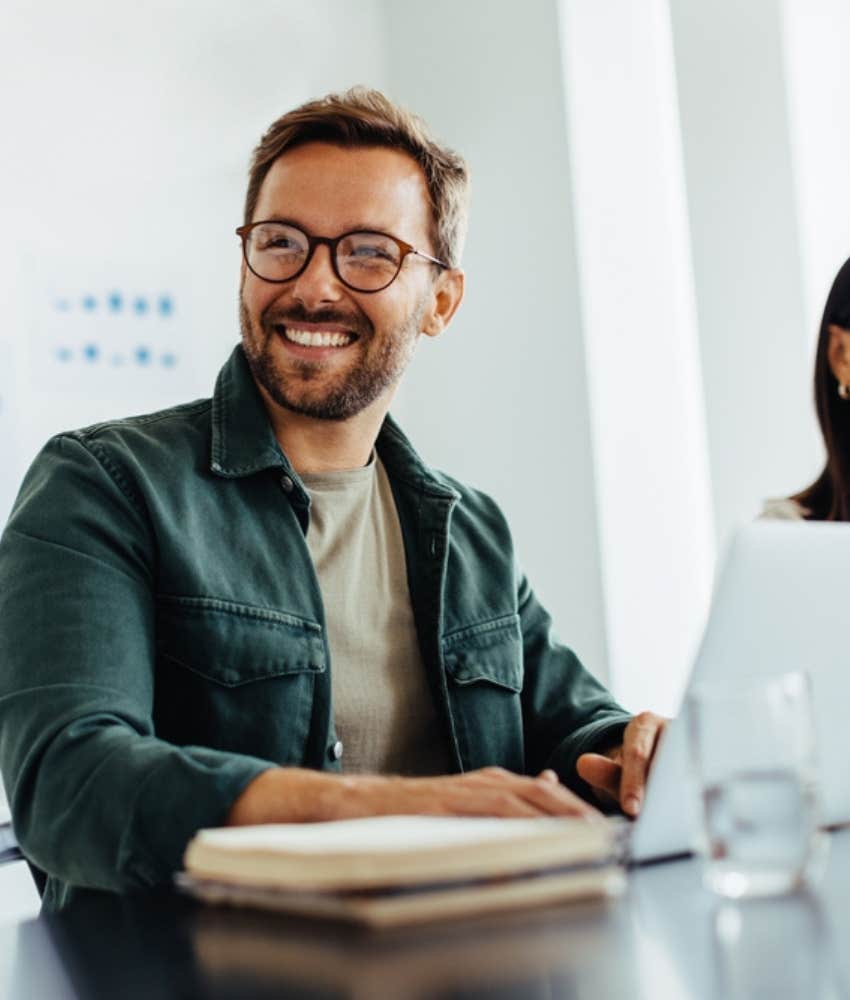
665, 938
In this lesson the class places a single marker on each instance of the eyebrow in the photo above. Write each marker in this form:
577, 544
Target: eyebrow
354, 227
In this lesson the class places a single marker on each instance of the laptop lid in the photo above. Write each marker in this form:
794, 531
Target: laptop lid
781, 603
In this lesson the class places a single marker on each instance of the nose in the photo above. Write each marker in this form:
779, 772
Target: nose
317, 283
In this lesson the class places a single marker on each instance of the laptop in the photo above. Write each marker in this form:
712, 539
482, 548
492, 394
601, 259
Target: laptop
782, 602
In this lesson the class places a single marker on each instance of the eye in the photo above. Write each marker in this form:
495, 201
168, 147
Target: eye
279, 239
368, 250
373, 251
282, 242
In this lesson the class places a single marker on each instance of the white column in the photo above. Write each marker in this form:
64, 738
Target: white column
641, 347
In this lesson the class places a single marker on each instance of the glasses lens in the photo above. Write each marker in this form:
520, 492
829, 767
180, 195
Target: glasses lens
276, 251
368, 261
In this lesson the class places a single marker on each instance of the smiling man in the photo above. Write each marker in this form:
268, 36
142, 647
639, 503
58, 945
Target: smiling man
265, 607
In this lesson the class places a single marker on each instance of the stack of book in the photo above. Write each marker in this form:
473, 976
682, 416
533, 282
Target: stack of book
389, 870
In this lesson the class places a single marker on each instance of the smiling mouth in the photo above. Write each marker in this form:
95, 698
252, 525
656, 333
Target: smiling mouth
316, 338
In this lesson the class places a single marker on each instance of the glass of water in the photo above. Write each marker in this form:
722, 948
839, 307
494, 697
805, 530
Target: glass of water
753, 746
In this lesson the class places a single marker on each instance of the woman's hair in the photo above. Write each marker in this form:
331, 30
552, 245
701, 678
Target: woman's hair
828, 498
364, 117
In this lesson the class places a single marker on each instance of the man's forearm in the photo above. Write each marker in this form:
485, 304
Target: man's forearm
299, 795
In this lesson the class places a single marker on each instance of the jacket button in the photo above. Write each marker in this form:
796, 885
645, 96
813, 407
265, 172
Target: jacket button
336, 750
286, 484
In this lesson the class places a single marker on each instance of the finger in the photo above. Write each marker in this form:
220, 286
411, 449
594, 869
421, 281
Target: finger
490, 802
601, 773
545, 794
490, 791
549, 775
639, 742
487, 792
554, 799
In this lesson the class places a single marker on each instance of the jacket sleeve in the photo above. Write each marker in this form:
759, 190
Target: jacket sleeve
97, 800
566, 711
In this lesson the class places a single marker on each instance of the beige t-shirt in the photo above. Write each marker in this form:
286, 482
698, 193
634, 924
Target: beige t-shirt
384, 712
783, 509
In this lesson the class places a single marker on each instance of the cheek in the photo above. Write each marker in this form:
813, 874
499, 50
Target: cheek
392, 314
256, 297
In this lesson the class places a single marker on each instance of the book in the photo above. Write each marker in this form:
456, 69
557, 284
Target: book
388, 870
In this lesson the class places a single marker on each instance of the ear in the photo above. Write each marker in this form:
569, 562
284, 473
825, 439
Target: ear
446, 296
838, 353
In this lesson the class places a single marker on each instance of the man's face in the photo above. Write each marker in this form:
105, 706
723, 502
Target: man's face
329, 190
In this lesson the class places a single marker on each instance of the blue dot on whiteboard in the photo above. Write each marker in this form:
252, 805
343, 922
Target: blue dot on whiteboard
91, 352
168, 360
116, 302
89, 303
143, 355
165, 305
140, 306
63, 354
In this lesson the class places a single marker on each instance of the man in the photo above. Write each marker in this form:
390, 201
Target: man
265, 607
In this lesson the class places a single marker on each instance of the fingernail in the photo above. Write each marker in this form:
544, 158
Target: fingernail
632, 804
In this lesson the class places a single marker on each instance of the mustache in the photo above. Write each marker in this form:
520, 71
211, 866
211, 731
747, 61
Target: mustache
298, 314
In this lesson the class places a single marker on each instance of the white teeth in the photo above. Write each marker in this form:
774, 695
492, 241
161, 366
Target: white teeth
317, 338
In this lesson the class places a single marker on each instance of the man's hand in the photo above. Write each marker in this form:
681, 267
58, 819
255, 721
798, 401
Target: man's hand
297, 795
620, 775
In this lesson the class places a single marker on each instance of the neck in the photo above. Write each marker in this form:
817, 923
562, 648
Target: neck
314, 445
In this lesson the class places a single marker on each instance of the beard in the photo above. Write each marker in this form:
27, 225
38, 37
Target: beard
305, 387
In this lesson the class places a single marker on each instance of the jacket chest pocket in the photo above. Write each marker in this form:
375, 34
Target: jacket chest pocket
484, 669
236, 677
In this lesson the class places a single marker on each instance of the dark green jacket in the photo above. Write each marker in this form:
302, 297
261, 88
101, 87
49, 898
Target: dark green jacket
162, 635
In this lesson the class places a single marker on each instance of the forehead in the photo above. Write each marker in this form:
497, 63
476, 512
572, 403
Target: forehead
329, 189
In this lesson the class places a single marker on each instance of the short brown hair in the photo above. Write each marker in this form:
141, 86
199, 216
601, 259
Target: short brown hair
365, 117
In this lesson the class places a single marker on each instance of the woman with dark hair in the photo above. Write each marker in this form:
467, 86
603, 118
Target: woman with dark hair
828, 498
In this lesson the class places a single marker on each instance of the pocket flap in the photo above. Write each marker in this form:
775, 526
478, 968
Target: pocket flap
233, 643
491, 651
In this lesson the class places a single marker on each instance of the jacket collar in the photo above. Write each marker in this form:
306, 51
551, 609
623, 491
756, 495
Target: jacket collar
403, 462
243, 441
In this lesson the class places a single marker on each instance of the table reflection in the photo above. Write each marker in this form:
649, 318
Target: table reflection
776, 948
169, 947
541, 957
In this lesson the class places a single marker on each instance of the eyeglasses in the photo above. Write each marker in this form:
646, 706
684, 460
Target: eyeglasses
363, 261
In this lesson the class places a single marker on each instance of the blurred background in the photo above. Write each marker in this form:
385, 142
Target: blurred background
660, 202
